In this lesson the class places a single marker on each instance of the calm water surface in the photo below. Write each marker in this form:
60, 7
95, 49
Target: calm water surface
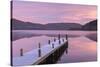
80, 47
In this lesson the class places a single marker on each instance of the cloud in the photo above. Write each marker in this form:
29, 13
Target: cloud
38, 12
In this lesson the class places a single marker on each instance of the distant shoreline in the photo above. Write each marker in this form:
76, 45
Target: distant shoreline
16, 35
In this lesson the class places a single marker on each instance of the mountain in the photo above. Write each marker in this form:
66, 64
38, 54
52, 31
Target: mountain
21, 25
92, 25
63, 26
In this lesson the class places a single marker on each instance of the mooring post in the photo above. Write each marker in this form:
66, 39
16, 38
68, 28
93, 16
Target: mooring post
59, 42
39, 51
39, 45
21, 52
63, 40
67, 40
66, 36
54, 39
48, 41
52, 45
59, 36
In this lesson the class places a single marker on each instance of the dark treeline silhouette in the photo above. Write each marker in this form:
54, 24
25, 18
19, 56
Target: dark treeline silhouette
21, 25
92, 25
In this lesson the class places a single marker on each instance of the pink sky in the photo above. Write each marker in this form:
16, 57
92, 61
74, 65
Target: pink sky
40, 12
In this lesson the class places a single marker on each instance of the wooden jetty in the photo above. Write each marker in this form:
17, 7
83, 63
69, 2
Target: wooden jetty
47, 54
53, 56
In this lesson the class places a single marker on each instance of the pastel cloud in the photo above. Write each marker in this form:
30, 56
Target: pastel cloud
37, 12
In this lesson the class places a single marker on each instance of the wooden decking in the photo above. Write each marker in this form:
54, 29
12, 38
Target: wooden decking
47, 54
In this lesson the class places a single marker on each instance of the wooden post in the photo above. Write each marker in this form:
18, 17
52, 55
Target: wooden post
39, 45
21, 52
59, 36
52, 45
54, 39
48, 41
39, 51
59, 42
63, 40
66, 36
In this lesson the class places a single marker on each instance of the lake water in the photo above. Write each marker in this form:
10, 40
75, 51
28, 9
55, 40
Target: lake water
81, 48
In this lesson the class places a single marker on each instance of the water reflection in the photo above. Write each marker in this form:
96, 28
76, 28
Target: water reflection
66, 51
80, 47
18, 34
